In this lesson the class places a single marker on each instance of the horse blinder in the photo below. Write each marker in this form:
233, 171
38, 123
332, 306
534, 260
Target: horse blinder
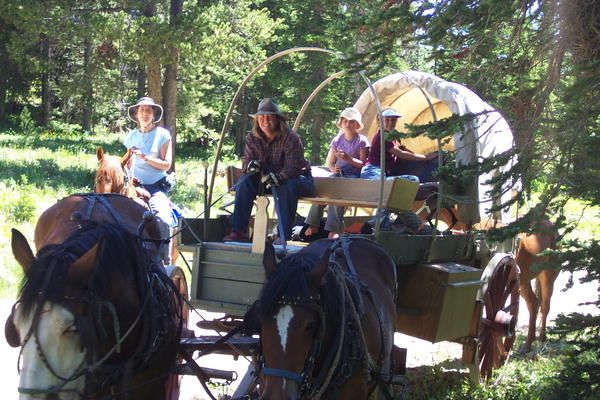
10, 330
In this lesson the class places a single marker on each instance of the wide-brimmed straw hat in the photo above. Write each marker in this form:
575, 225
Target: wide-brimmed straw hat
267, 106
351, 114
390, 113
145, 101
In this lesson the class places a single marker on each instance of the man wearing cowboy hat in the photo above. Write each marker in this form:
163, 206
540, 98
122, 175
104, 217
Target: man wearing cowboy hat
273, 157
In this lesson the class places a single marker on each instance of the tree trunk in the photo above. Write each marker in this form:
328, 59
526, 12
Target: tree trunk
170, 98
88, 94
141, 82
153, 67
240, 130
170, 86
46, 93
316, 130
2, 99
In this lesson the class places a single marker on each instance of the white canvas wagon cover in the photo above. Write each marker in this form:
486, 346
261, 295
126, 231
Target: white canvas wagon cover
414, 94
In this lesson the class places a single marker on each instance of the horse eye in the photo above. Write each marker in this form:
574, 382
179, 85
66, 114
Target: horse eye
71, 329
310, 327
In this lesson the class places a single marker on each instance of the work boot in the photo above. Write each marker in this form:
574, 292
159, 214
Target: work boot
237, 236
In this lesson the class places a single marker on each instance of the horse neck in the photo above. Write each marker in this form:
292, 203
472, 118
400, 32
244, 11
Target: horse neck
332, 319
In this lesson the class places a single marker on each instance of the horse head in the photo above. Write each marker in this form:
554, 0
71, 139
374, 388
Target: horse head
45, 327
110, 176
291, 319
81, 314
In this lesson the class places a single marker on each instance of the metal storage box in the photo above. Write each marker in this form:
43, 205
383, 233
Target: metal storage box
435, 301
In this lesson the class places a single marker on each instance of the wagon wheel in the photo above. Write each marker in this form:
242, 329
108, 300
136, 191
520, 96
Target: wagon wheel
179, 280
178, 277
500, 297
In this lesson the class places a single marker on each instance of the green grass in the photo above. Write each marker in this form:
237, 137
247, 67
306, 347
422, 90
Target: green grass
531, 377
41, 167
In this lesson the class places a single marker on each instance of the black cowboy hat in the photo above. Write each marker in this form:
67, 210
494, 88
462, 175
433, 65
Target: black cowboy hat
268, 106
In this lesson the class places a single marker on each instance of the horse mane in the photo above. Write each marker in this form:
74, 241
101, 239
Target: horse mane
290, 280
118, 248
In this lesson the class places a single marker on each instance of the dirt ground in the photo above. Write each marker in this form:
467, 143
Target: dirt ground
419, 352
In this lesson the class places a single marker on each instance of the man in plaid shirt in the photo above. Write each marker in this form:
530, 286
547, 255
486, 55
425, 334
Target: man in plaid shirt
273, 157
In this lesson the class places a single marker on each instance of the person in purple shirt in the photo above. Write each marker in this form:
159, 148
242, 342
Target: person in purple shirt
347, 154
273, 157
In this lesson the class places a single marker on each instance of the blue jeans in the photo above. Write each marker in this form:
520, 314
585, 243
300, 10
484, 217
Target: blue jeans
160, 205
371, 171
288, 193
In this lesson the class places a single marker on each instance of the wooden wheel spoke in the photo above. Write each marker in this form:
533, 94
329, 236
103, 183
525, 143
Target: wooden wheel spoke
512, 308
509, 290
501, 308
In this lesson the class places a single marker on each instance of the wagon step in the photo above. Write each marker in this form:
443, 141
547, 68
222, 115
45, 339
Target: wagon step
237, 345
187, 369
221, 325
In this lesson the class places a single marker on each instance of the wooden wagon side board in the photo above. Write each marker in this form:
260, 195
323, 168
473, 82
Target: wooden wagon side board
226, 277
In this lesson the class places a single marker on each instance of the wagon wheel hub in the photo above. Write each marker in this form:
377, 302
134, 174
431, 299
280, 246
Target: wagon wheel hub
503, 324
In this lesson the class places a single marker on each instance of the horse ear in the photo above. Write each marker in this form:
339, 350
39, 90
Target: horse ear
269, 259
100, 153
316, 276
126, 157
21, 250
81, 271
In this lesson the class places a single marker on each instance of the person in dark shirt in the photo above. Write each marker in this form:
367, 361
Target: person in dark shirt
372, 168
273, 158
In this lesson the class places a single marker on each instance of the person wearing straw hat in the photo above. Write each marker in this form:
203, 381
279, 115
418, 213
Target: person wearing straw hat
273, 157
347, 153
151, 145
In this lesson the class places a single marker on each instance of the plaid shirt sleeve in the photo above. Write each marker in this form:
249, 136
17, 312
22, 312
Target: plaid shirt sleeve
252, 151
295, 163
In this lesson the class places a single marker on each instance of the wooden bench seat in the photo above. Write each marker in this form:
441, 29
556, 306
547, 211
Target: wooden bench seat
398, 195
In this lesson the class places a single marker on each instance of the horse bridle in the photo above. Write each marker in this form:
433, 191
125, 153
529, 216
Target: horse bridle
306, 388
83, 368
314, 390
33, 333
13, 339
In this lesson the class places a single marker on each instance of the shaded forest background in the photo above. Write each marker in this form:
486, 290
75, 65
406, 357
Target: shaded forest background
75, 66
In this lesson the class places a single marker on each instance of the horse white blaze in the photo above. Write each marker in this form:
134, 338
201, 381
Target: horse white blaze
283, 318
61, 347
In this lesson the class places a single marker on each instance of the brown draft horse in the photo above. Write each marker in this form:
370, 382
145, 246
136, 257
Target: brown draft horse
327, 321
530, 263
97, 317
